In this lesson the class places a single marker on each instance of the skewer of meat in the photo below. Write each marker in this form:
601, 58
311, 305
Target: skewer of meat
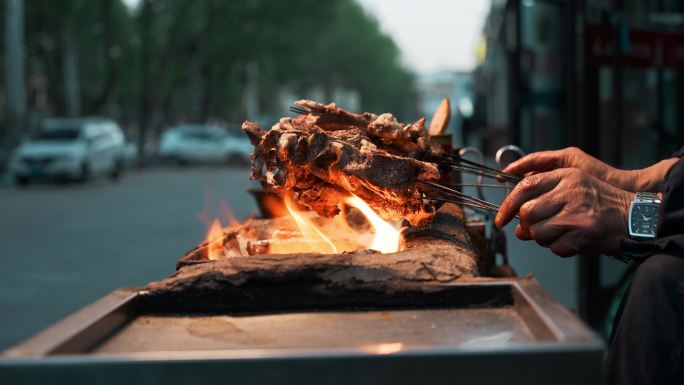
319, 167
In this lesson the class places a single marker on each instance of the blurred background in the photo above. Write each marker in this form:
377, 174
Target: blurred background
119, 119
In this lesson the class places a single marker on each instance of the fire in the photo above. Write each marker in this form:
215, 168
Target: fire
215, 240
319, 242
334, 235
300, 231
387, 238
213, 222
384, 348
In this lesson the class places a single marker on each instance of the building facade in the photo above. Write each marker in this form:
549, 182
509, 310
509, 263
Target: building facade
457, 86
604, 75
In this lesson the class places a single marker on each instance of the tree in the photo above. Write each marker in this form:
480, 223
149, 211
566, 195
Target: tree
174, 60
298, 42
101, 35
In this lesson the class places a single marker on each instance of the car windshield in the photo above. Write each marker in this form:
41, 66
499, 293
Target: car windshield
59, 134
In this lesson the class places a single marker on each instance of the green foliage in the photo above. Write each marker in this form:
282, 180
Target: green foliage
169, 56
354, 52
102, 32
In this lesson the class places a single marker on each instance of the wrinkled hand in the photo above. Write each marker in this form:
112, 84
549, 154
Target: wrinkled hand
569, 211
646, 179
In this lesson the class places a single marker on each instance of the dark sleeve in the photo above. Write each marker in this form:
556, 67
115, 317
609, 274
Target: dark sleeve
679, 153
670, 236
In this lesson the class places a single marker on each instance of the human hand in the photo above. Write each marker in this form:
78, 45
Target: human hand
647, 179
569, 211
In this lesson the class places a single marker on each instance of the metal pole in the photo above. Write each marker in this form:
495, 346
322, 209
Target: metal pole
613, 148
513, 52
661, 130
14, 67
569, 60
145, 20
72, 87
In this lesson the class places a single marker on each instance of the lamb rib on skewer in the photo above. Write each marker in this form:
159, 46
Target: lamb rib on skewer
410, 140
322, 156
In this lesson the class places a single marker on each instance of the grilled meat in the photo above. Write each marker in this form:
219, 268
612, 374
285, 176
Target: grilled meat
408, 140
321, 157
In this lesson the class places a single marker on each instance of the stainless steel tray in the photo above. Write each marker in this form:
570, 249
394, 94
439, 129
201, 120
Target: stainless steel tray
513, 333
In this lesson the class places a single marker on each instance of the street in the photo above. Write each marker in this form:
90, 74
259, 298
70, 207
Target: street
64, 246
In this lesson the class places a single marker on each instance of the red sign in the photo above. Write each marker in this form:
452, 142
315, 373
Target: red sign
600, 44
673, 50
642, 49
636, 48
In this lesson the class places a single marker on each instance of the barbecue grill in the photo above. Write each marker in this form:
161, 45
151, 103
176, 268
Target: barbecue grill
299, 327
435, 307
497, 331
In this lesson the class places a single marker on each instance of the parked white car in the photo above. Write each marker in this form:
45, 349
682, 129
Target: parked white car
203, 144
70, 148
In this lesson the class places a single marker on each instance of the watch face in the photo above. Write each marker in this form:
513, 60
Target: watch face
643, 220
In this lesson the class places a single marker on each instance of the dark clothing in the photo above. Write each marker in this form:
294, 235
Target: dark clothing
648, 339
648, 342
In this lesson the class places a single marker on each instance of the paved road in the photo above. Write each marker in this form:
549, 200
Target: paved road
62, 247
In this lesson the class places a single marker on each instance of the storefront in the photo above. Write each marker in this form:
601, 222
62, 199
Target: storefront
606, 76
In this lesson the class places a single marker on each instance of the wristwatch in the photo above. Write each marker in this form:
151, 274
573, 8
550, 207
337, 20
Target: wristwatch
643, 216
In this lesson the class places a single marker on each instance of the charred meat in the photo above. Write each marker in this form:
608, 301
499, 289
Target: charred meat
323, 156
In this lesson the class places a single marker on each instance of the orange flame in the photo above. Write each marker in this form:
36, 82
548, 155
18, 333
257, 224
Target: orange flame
215, 212
307, 232
215, 240
384, 348
387, 238
310, 231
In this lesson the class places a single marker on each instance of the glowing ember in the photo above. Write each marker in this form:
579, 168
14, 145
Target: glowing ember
384, 348
215, 240
319, 242
387, 238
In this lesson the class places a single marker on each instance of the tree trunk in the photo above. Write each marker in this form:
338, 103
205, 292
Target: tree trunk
144, 112
72, 83
110, 62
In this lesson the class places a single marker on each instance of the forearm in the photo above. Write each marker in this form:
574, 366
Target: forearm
650, 178
646, 180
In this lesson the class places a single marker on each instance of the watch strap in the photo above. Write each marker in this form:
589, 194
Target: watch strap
647, 197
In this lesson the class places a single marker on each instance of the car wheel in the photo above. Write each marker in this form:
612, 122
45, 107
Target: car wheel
85, 172
115, 174
21, 181
179, 161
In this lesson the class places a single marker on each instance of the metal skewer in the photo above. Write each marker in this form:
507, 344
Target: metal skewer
484, 173
298, 110
489, 185
468, 166
465, 204
484, 167
447, 194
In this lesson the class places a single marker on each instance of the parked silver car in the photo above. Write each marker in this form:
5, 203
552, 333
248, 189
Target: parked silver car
203, 144
70, 148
